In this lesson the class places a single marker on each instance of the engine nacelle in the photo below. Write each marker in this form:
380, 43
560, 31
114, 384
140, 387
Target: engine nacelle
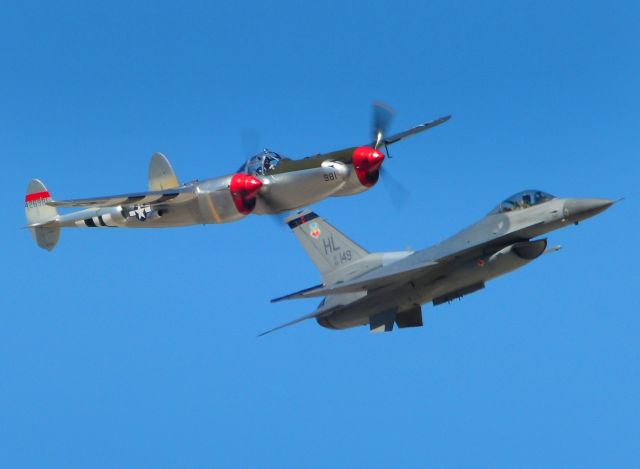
366, 162
228, 198
244, 190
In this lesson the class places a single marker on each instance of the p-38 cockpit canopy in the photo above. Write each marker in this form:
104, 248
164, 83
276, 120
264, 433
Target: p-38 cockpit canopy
262, 164
522, 200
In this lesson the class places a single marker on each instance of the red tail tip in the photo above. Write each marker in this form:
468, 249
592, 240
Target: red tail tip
37, 196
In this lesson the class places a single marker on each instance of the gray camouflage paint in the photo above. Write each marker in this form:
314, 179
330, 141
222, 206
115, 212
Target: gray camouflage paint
381, 289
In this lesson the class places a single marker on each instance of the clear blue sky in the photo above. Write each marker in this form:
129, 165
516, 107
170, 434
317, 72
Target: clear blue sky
137, 348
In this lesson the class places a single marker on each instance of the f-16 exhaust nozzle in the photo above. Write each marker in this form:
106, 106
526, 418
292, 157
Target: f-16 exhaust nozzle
576, 210
244, 190
367, 162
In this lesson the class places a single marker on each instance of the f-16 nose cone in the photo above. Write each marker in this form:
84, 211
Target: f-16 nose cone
580, 209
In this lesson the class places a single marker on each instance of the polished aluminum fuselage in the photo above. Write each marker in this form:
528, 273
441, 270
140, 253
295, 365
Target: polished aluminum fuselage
212, 202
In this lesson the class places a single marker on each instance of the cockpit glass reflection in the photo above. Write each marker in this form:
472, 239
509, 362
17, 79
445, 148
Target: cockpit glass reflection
522, 200
263, 163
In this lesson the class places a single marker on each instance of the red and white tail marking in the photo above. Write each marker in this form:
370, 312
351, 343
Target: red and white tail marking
36, 196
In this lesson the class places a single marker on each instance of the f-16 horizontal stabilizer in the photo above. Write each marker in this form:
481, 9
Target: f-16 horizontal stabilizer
315, 314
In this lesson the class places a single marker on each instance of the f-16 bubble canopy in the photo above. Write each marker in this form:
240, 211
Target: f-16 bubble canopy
262, 164
522, 200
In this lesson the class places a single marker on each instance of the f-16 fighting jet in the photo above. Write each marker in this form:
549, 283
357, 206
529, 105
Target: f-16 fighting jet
268, 183
386, 288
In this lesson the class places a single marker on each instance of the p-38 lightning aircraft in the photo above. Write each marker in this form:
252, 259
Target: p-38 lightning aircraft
267, 183
387, 288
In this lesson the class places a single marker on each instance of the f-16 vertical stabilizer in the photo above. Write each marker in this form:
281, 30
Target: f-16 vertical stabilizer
327, 247
40, 216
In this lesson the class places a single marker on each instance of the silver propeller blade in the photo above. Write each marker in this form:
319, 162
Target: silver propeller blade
382, 117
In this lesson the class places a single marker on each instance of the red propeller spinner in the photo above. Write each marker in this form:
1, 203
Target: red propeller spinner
244, 190
366, 162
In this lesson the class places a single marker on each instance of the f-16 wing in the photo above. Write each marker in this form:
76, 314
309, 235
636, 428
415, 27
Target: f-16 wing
166, 197
367, 283
375, 280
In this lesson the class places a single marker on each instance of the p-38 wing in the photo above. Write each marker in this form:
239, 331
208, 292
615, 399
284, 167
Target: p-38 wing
345, 155
163, 190
412, 131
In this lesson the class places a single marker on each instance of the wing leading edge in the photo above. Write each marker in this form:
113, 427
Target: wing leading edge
373, 282
414, 130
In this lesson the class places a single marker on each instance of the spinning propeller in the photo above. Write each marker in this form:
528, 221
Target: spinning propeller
382, 116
